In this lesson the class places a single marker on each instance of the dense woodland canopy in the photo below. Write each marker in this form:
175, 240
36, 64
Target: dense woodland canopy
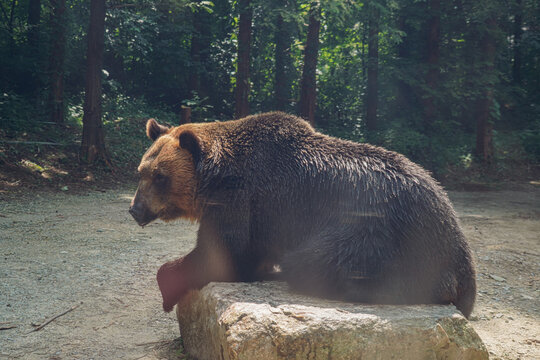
451, 84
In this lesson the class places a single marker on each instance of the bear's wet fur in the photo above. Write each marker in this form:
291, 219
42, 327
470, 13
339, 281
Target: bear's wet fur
342, 220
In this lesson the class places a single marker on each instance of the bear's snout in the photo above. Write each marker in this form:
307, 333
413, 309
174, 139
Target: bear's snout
141, 214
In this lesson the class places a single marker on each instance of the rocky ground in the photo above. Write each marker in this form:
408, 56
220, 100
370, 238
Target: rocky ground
82, 254
504, 230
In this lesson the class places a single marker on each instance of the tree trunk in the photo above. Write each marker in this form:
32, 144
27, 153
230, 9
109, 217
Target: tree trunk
56, 61
281, 84
484, 121
201, 39
31, 77
373, 70
363, 54
34, 15
308, 86
195, 59
185, 115
93, 144
242, 72
432, 61
195, 50
10, 25
518, 32
404, 96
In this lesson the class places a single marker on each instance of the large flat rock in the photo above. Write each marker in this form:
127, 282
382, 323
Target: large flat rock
259, 321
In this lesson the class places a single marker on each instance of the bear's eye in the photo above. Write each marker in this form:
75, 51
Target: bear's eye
160, 180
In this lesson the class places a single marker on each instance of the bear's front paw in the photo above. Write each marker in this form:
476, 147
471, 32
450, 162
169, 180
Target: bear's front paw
171, 284
168, 306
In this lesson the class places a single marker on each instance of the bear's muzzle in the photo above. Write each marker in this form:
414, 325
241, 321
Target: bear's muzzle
141, 214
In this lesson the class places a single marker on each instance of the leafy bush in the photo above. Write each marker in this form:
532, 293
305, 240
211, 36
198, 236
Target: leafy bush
531, 143
124, 122
16, 113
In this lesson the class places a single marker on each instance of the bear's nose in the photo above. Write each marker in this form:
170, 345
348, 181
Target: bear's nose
137, 212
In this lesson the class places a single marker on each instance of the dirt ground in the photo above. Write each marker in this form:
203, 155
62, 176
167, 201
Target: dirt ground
82, 252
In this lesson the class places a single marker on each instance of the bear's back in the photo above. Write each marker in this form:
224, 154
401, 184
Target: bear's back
285, 146
279, 159
280, 152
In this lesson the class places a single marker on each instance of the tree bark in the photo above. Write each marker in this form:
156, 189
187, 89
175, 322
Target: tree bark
185, 115
484, 121
10, 24
518, 32
281, 84
432, 61
363, 54
93, 143
242, 72
373, 70
34, 15
404, 96
198, 80
195, 50
31, 75
56, 61
308, 85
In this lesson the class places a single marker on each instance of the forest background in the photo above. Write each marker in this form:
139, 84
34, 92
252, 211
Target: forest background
454, 85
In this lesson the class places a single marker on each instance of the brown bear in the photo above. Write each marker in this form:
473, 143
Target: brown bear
342, 220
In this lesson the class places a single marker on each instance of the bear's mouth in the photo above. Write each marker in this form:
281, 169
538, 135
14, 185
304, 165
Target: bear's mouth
143, 224
142, 218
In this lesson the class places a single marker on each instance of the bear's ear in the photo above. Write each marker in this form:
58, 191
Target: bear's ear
192, 143
155, 130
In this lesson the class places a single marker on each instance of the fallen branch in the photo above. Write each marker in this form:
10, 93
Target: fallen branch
7, 327
54, 318
141, 357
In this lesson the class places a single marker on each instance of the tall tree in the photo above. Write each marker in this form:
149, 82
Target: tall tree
93, 143
485, 103
34, 15
242, 72
200, 43
10, 19
282, 40
308, 84
373, 67
31, 74
56, 61
195, 52
404, 92
432, 60
518, 32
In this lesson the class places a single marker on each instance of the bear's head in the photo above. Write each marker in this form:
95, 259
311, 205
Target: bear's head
167, 184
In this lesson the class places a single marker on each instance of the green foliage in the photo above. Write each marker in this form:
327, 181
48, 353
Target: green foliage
152, 68
530, 139
125, 123
15, 113
201, 111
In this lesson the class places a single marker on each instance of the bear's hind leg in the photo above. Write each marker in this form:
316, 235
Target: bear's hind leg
319, 269
346, 267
